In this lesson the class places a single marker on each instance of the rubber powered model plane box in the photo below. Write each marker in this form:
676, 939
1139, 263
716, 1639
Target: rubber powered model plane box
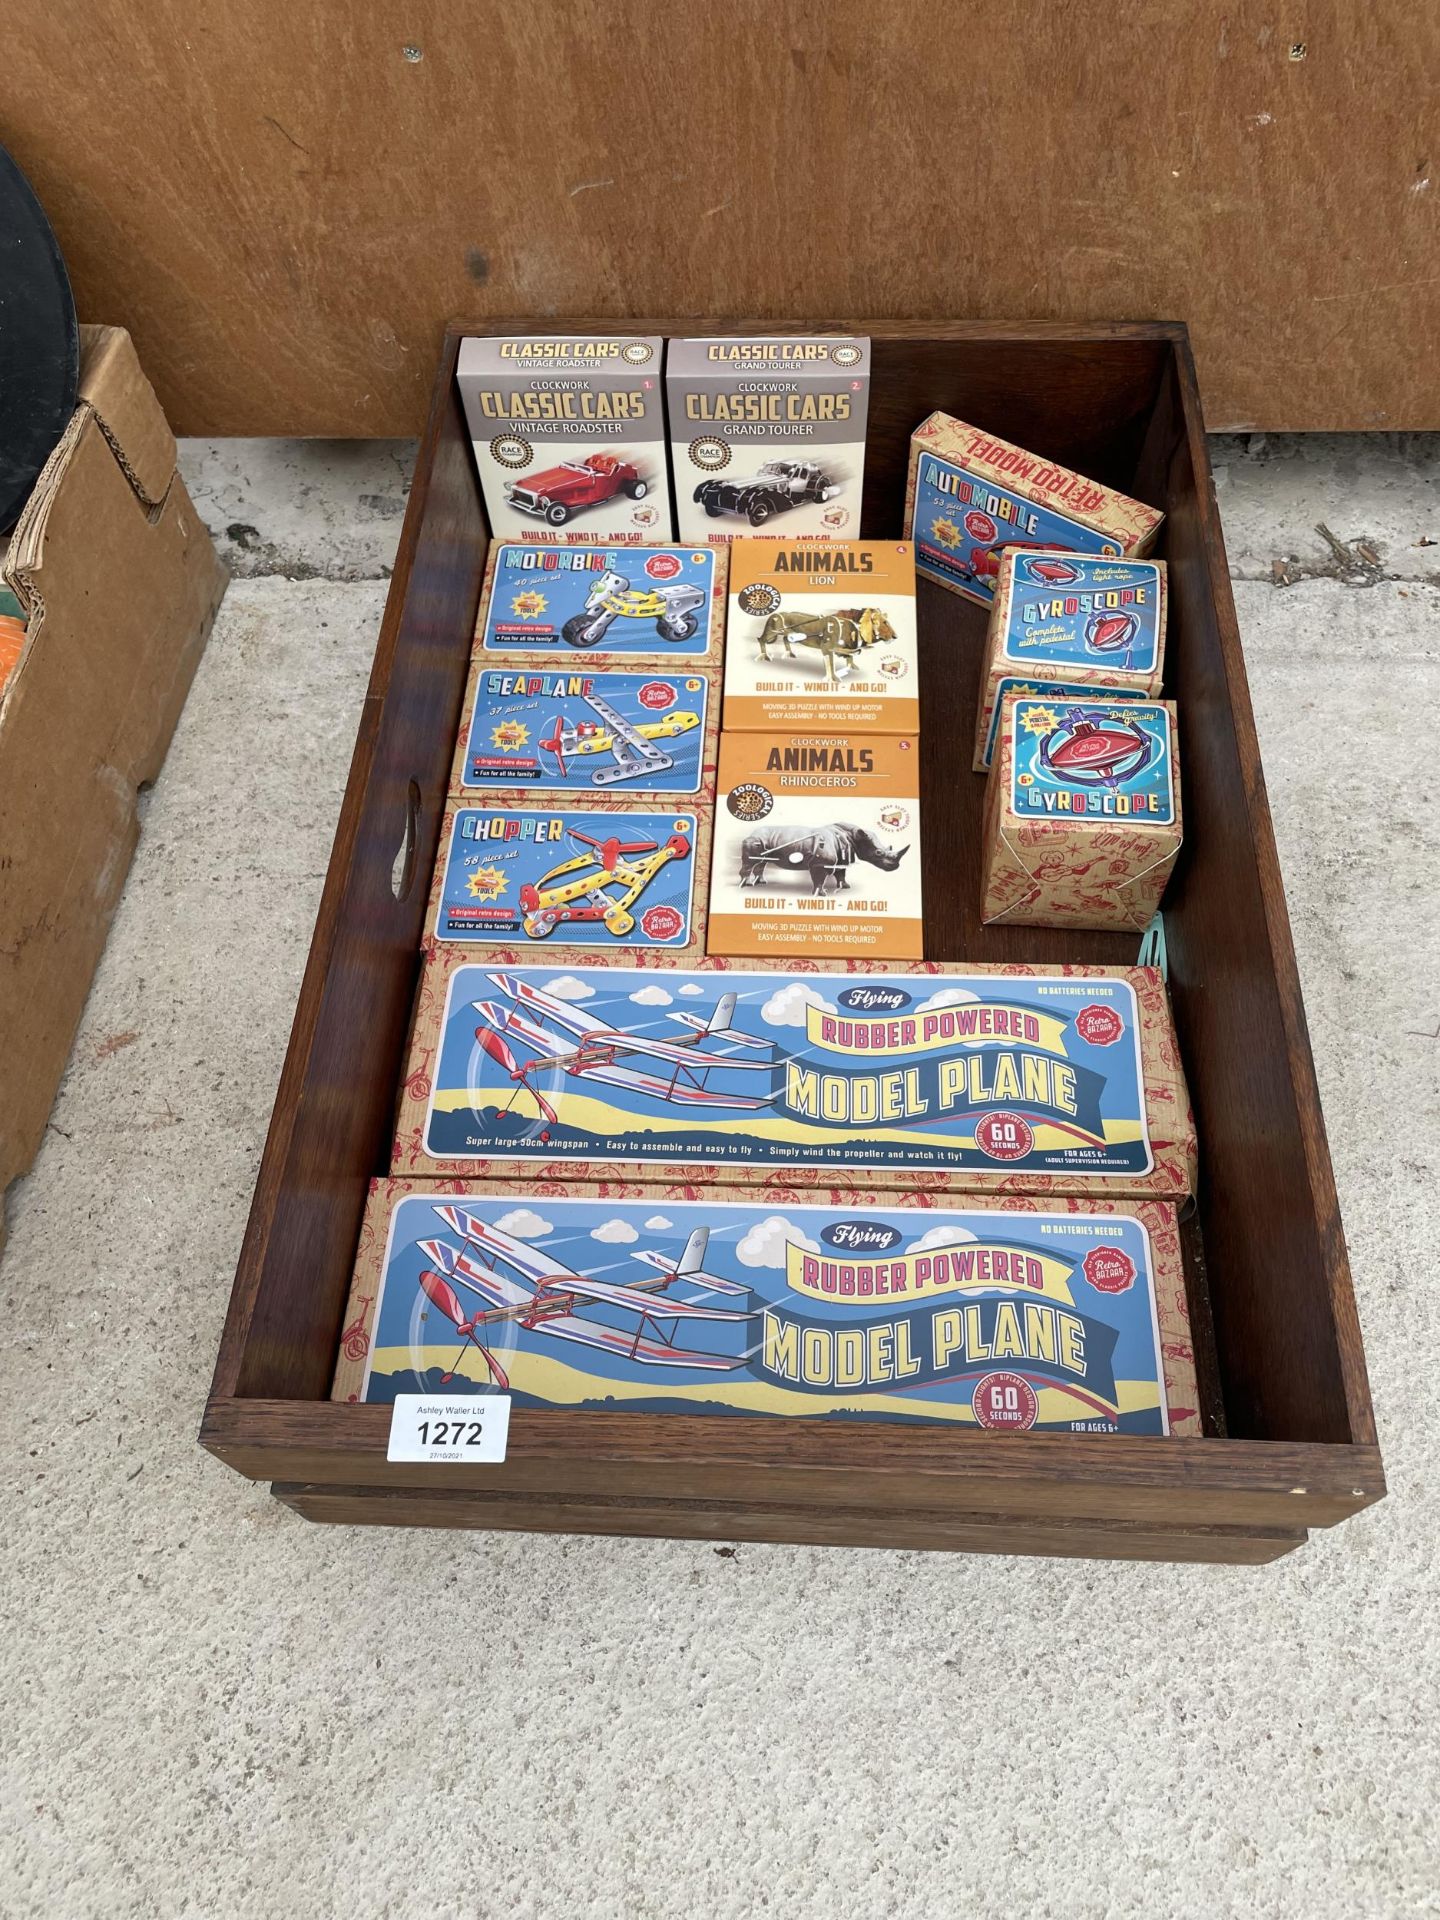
817, 847
648, 603
1070, 623
821, 638
569, 436
1082, 821
768, 433
1052, 1317
606, 874
597, 727
969, 495
1019, 1079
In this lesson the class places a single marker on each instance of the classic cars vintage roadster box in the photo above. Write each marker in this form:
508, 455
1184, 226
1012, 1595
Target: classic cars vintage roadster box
1047, 1317
569, 436
595, 873
648, 603
1017, 1079
1080, 622
1082, 822
601, 726
969, 495
820, 637
817, 847
768, 433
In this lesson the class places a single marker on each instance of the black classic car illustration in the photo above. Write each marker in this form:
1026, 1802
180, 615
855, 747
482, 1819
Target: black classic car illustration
778, 486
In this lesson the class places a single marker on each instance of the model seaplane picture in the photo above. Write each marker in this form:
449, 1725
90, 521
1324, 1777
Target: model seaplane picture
573, 731
627, 746
532, 1036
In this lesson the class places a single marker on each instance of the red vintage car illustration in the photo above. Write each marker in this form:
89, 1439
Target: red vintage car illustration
563, 491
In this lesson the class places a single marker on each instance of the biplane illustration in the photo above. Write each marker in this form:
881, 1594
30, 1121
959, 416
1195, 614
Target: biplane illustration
630, 743
515, 1284
577, 1044
608, 879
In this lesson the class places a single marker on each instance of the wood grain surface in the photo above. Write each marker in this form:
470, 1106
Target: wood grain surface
284, 204
801, 1525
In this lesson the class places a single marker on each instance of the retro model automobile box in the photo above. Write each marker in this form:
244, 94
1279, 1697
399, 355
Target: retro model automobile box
119, 583
768, 433
569, 436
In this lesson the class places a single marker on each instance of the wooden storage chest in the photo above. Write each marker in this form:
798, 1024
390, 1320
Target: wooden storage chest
1287, 1397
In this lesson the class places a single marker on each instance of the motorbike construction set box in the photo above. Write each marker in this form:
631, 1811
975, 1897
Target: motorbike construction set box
571, 444
675, 951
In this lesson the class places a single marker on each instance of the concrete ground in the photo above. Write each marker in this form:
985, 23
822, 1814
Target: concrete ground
211, 1709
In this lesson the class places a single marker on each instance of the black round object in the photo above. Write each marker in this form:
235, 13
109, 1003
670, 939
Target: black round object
39, 341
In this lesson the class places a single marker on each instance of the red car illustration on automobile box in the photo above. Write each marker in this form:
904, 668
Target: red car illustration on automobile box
569, 437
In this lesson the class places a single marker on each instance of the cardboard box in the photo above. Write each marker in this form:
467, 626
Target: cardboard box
1070, 623
817, 847
1012, 1079
590, 726
1083, 817
600, 874
969, 495
821, 638
119, 584
768, 433
646, 603
1012, 1316
569, 437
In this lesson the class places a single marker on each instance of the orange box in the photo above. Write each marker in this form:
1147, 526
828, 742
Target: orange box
817, 848
821, 637
1082, 822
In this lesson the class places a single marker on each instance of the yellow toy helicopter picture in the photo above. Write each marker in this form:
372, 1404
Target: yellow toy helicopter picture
627, 867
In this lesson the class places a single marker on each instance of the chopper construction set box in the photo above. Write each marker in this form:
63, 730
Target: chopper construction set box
688, 1122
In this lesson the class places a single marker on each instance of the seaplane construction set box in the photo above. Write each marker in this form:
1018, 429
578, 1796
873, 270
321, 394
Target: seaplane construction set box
817, 847
1082, 822
627, 876
1070, 623
596, 726
1019, 1079
969, 495
1063, 1316
647, 603
821, 638
768, 433
569, 436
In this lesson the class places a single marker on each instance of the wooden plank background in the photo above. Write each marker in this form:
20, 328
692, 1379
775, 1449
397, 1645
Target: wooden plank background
284, 203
